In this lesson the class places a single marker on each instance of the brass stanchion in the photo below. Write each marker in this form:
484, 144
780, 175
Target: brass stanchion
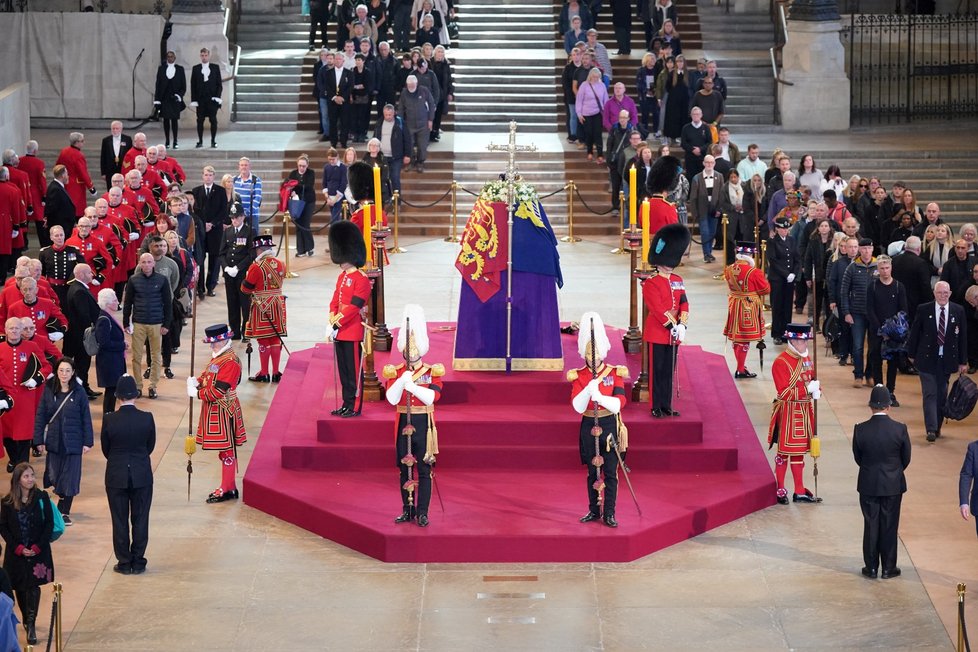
632, 339
622, 249
570, 214
286, 218
726, 245
396, 200
640, 388
58, 595
346, 210
962, 634
453, 236
381, 336
757, 243
372, 389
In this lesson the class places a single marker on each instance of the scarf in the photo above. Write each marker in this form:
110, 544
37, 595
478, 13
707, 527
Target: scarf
736, 192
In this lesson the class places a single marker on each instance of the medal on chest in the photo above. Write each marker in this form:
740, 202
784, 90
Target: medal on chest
22, 356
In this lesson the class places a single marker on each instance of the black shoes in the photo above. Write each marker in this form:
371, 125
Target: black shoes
931, 436
92, 395
199, 145
222, 496
168, 372
152, 393
807, 497
213, 144
146, 374
870, 573
210, 293
778, 341
138, 570
10, 467
783, 500
259, 378
406, 515
345, 412
277, 376
744, 374
657, 413
590, 516
669, 412
122, 569
610, 521
893, 572
423, 520
893, 401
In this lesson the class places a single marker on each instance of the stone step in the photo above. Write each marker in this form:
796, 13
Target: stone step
475, 41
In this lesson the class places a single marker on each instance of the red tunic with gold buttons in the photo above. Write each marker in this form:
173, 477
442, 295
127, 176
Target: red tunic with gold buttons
793, 418
745, 304
612, 383
19, 363
665, 297
264, 283
422, 416
351, 294
661, 212
220, 411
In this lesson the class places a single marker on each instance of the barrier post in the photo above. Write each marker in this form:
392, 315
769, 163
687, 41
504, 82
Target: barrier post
569, 188
453, 236
622, 249
286, 218
724, 222
396, 200
58, 597
962, 634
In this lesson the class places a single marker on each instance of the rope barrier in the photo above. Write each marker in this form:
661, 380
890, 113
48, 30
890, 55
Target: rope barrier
54, 612
437, 201
474, 194
964, 645
577, 191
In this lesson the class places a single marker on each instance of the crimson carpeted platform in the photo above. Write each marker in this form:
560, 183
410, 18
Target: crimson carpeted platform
509, 470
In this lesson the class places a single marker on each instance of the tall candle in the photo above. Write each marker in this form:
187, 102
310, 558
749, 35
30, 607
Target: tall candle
368, 233
646, 236
631, 198
378, 199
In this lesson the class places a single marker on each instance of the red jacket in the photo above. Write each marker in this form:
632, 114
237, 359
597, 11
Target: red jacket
12, 213
351, 294
78, 180
665, 297
35, 169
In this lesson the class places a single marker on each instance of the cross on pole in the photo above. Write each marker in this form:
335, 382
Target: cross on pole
512, 148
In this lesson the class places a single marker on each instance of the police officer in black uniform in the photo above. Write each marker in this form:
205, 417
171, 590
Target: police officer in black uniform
237, 255
782, 267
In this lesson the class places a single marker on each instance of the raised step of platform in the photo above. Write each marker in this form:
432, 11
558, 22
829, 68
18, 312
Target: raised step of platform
509, 472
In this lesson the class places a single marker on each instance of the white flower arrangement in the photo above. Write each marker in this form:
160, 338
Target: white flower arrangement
499, 191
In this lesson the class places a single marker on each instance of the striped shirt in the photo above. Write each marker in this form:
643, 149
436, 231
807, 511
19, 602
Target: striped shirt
250, 192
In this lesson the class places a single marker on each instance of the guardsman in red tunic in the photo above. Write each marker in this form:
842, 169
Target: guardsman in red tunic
45, 314
347, 249
58, 263
220, 426
267, 320
78, 179
93, 251
413, 387
360, 177
745, 305
664, 294
661, 178
598, 395
793, 419
25, 367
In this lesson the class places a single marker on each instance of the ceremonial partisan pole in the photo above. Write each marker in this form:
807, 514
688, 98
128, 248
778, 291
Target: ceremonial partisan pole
511, 148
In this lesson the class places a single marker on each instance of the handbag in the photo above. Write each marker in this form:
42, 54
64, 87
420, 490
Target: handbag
53, 416
452, 30
59, 521
89, 341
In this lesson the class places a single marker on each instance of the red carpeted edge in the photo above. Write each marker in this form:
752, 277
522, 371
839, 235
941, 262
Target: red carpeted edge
512, 484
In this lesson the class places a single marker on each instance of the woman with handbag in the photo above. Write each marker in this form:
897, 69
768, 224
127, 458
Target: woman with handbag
305, 192
110, 361
26, 525
63, 428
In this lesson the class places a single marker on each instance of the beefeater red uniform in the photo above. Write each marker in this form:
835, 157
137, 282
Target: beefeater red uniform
45, 314
78, 180
95, 254
267, 321
12, 213
793, 417
661, 212
664, 295
745, 308
22, 362
36, 172
220, 414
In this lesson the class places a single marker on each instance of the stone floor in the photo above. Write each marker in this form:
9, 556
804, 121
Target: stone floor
226, 577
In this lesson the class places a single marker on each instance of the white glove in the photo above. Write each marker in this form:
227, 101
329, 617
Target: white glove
56, 336
231, 271
4, 405
216, 100
193, 104
424, 394
156, 102
791, 278
609, 403
133, 237
407, 378
96, 282
679, 332
814, 388
192, 387
14, 233
30, 384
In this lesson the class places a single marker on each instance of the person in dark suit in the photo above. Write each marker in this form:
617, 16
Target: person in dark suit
128, 439
171, 86
114, 148
110, 361
914, 273
881, 448
782, 258
205, 95
211, 206
59, 210
82, 311
938, 345
337, 84
237, 255
967, 487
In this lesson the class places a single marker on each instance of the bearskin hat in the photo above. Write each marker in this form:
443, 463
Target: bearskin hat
668, 245
346, 244
361, 179
663, 173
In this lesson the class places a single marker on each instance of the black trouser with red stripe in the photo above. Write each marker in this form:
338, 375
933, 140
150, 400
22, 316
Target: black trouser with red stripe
348, 366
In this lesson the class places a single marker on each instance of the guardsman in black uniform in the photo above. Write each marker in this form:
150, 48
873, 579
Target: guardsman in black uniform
347, 249
598, 395
236, 257
413, 387
782, 266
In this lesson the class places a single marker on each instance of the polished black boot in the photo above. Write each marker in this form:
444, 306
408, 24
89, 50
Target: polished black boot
33, 596
406, 515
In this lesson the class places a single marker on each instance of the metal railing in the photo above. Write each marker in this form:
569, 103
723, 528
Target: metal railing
779, 19
232, 18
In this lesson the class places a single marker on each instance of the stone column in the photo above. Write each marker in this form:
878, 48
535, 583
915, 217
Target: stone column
814, 63
200, 24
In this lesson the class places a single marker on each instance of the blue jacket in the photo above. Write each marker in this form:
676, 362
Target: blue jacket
110, 362
71, 429
400, 138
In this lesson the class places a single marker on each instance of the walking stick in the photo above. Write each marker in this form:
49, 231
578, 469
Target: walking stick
190, 443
